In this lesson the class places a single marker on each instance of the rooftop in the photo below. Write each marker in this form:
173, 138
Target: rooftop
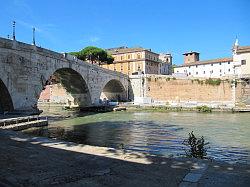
243, 49
120, 50
213, 61
191, 52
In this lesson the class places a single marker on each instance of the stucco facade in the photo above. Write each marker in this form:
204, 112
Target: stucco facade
135, 61
241, 56
216, 68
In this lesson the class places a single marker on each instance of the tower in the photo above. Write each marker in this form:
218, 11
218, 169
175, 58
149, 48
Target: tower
166, 58
235, 46
191, 57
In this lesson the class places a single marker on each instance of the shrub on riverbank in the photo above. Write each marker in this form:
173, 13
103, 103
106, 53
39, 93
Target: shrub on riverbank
203, 108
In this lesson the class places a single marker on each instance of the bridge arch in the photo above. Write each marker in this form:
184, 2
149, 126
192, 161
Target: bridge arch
6, 103
69, 87
114, 90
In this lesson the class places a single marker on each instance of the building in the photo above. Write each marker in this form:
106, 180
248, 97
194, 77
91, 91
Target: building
165, 68
241, 58
132, 61
215, 68
237, 66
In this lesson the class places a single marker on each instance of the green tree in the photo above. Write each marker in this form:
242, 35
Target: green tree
94, 54
172, 67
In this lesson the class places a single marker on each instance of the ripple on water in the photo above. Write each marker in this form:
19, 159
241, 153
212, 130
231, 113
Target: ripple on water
160, 133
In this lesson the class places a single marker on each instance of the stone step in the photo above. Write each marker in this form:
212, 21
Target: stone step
25, 125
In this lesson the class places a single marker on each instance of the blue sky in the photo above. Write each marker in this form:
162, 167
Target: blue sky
176, 26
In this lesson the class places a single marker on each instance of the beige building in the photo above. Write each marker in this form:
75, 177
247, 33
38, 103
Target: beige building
165, 68
134, 61
241, 57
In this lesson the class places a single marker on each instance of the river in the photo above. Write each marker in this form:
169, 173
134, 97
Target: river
159, 133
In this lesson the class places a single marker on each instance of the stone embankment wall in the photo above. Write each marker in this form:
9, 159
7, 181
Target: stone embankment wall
242, 94
185, 92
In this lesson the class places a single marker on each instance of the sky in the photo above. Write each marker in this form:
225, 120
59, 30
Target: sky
176, 26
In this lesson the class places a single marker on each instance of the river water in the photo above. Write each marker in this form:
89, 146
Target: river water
160, 133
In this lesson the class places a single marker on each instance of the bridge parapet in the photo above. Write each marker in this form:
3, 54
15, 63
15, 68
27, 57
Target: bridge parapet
20, 46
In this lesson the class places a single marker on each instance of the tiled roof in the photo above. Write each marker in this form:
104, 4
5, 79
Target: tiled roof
124, 50
243, 49
127, 50
213, 61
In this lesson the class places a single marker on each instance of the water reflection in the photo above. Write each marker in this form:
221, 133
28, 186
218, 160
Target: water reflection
158, 133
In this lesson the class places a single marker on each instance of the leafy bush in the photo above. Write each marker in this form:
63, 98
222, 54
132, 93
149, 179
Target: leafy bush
203, 108
214, 82
196, 146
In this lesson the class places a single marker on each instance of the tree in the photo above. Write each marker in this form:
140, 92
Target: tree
172, 67
94, 54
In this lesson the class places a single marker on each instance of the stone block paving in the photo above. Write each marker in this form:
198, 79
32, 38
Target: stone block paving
27, 161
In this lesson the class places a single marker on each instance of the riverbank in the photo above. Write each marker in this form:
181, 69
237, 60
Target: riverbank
162, 108
36, 161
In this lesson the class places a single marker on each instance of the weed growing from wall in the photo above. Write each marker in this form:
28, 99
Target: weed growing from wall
213, 82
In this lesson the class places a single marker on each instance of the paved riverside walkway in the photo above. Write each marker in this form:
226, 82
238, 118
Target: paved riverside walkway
35, 161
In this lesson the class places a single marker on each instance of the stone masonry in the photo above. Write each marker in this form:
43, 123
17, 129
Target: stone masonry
185, 92
25, 70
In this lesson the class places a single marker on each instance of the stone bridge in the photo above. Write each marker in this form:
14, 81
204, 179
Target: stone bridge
26, 69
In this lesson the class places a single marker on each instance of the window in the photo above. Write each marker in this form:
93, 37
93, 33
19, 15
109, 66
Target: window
204, 72
138, 55
189, 73
129, 56
212, 71
220, 71
211, 64
220, 63
243, 62
189, 67
121, 57
196, 66
228, 70
196, 73
228, 62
